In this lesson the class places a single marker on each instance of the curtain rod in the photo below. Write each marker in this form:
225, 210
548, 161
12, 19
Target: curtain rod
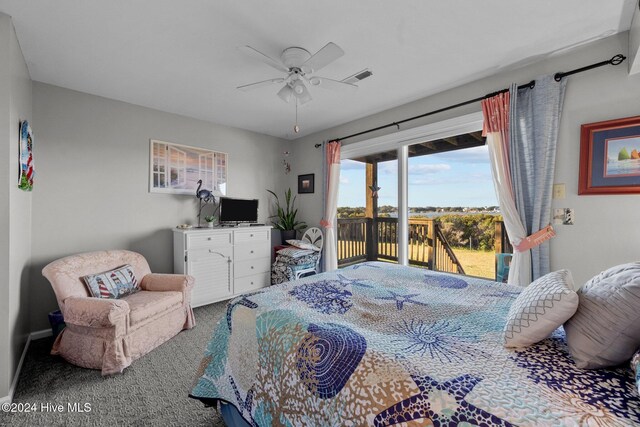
616, 60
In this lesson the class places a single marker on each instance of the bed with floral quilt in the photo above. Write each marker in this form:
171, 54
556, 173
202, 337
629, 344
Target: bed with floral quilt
380, 344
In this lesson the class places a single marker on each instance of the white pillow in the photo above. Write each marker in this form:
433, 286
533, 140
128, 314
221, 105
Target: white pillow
303, 245
605, 331
540, 309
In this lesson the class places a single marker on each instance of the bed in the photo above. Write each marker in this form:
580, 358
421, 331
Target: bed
380, 344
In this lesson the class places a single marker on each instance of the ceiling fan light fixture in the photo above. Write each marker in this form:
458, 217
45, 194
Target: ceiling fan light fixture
299, 87
301, 93
286, 93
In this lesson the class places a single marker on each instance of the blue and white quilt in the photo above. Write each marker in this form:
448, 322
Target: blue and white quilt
380, 344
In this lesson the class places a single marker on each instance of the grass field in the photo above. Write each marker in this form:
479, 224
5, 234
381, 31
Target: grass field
477, 263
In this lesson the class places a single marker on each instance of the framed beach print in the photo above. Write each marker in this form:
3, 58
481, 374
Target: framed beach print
176, 169
306, 183
610, 157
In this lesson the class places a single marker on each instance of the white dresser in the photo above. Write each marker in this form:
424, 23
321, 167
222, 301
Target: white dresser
224, 261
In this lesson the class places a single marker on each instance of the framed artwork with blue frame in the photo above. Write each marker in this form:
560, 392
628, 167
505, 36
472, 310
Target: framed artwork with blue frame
610, 157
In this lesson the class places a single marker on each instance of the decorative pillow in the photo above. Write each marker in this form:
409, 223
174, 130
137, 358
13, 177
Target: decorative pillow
294, 252
113, 283
540, 309
303, 245
635, 366
605, 331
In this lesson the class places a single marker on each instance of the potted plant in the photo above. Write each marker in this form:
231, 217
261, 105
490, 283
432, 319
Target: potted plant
210, 220
286, 217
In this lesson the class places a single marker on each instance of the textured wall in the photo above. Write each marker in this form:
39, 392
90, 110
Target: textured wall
15, 210
93, 178
605, 232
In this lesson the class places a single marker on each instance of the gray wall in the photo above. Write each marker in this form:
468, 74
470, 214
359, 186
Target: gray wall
605, 233
15, 206
92, 156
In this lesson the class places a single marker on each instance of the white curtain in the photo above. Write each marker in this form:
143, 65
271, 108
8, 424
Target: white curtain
496, 129
332, 179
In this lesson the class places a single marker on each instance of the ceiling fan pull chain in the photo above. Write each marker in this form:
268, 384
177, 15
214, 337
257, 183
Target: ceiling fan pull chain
296, 128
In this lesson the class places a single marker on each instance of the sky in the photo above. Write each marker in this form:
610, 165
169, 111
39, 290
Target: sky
454, 178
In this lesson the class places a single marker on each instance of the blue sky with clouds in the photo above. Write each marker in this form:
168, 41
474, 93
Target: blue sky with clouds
454, 178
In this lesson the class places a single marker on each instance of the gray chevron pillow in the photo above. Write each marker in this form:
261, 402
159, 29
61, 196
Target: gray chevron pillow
540, 309
605, 331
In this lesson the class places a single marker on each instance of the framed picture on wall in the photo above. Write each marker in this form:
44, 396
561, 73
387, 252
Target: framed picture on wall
176, 169
305, 183
610, 157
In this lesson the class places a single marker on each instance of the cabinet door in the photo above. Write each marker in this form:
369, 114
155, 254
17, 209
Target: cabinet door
212, 270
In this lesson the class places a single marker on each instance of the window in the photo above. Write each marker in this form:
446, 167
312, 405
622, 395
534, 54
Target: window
452, 216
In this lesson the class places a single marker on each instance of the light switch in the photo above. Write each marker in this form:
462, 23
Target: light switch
558, 191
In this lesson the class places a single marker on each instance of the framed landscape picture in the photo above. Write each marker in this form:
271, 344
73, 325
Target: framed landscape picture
610, 157
176, 169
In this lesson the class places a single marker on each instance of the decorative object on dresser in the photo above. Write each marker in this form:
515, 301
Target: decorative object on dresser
107, 333
224, 262
204, 197
210, 219
177, 169
286, 217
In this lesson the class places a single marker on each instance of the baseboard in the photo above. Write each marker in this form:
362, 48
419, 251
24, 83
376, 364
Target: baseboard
40, 334
32, 337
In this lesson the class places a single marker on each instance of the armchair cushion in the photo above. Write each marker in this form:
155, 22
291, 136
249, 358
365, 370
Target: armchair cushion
95, 312
146, 305
114, 283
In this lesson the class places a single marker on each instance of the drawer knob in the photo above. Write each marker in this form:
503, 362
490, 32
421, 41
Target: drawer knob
251, 235
251, 251
252, 267
208, 238
252, 283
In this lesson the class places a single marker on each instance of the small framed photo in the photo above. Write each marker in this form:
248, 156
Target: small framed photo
305, 183
610, 157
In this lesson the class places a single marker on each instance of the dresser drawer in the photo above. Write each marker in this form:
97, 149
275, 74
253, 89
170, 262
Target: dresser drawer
251, 236
250, 283
251, 267
248, 251
208, 240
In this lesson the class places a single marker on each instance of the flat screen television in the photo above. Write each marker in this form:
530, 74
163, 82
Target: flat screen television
234, 211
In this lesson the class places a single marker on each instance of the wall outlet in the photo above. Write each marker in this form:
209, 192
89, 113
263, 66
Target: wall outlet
558, 191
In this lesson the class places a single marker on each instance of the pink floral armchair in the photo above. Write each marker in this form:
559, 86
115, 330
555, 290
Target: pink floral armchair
109, 334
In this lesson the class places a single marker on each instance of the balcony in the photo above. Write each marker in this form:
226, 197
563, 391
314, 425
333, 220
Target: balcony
373, 239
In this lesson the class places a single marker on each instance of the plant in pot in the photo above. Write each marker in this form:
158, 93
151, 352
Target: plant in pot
286, 217
210, 220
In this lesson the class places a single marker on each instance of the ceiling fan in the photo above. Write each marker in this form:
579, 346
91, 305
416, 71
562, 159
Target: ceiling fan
300, 67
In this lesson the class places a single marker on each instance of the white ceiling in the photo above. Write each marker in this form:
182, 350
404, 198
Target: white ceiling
181, 56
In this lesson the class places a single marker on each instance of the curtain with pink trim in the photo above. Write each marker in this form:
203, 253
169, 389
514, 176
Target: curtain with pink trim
496, 129
332, 150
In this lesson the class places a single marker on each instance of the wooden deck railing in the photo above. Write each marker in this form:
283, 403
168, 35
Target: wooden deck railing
362, 239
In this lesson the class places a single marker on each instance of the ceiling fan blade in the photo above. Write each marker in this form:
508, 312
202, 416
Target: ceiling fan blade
329, 53
325, 83
263, 83
264, 58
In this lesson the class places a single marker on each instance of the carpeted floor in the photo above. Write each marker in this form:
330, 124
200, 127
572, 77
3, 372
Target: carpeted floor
152, 391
